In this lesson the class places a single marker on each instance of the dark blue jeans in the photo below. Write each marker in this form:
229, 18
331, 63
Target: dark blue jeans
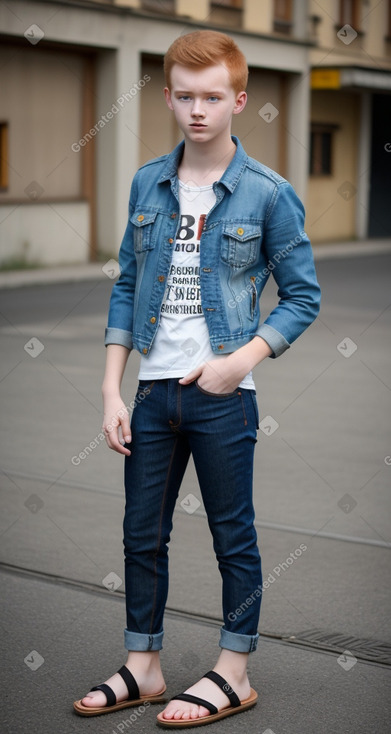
169, 422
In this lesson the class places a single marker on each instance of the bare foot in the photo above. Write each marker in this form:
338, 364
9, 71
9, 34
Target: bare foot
205, 688
145, 667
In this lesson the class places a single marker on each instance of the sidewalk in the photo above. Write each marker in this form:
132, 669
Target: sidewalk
321, 498
93, 271
49, 662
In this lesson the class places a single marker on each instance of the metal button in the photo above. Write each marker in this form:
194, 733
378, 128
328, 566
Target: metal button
171, 240
145, 350
173, 215
153, 319
140, 217
221, 346
240, 230
161, 278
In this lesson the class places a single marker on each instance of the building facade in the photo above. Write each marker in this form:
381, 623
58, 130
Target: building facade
82, 106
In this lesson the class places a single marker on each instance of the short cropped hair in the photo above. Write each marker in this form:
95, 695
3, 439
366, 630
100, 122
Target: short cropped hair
208, 48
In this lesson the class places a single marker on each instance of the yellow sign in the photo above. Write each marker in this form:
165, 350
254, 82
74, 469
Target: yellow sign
325, 79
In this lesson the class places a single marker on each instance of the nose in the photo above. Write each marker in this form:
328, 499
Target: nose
197, 109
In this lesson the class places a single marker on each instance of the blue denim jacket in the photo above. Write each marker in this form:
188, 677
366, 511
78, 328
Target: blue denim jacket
255, 227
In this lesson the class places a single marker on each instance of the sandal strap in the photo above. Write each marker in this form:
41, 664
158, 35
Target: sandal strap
194, 699
130, 683
109, 693
225, 687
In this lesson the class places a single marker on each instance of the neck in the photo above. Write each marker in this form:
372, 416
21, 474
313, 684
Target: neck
205, 163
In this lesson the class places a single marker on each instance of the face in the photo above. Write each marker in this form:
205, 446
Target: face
203, 101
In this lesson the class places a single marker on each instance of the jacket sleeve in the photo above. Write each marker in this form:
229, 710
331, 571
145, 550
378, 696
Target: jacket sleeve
290, 259
120, 319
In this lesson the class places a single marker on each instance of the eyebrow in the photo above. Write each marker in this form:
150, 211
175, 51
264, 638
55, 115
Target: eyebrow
188, 91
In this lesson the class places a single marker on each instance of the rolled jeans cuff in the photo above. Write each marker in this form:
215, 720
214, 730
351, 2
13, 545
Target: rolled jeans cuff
238, 643
141, 642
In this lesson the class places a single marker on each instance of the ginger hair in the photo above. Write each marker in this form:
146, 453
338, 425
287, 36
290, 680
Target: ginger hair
200, 49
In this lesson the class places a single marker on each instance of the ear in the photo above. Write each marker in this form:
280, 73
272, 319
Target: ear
167, 94
240, 103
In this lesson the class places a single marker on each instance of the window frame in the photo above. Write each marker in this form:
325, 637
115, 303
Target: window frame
317, 131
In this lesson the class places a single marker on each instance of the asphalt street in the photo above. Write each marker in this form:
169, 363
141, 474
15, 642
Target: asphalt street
322, 487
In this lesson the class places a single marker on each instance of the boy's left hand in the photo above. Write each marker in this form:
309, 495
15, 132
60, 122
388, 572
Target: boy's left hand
224, 374
220, 375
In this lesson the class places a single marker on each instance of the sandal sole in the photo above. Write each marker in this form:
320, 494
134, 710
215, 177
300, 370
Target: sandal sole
230, 711
98, 710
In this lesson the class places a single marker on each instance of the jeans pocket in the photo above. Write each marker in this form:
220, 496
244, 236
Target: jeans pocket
241, 243
215, 394
145, 230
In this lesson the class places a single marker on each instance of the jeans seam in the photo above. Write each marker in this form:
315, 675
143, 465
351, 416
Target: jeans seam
243, 407
160, 534
179, 409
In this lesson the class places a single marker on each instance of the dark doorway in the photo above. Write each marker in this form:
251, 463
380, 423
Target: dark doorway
379, 223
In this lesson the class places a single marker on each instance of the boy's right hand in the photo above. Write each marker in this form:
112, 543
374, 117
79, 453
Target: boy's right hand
116, 424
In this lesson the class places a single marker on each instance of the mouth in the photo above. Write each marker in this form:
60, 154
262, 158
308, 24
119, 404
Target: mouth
197, 124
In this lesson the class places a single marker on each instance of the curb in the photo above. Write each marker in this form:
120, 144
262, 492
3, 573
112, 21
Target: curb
93, 271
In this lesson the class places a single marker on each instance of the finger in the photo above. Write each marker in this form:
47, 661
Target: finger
114, 443
125, 428
191, 376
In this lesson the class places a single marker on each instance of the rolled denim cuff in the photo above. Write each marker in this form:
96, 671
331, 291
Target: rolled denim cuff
141, 642
238, 643
118, 336
275, 340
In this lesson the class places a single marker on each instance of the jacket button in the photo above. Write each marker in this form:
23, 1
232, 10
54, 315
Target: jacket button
161, 278
240, 230
221, 346
171, 240
145, 350
153, 319
140, 217
173, 215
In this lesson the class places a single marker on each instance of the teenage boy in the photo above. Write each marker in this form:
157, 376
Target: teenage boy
207, 225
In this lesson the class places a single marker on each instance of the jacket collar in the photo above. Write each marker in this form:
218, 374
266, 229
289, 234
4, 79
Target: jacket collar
230, 177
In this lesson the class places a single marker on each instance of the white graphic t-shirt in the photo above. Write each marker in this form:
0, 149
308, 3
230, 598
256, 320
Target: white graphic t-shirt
182, 339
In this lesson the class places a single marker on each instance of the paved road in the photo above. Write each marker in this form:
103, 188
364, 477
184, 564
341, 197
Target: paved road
322, 480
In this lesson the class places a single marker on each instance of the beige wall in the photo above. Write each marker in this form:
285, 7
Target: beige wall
159, 132
120, 38
41, 99
329, 215
370, 44
260, 139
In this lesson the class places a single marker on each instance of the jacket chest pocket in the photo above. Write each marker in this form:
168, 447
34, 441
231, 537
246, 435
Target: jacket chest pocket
241, 243
144, 232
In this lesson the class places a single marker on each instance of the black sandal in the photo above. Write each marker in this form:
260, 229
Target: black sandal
133, 699
236, 706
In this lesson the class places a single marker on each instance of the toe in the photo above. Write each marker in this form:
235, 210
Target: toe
91, 700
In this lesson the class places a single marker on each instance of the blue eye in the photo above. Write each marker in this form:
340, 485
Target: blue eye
213, 99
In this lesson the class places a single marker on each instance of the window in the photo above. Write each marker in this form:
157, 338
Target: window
349, 13
282, 16
3, 155
321, 149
